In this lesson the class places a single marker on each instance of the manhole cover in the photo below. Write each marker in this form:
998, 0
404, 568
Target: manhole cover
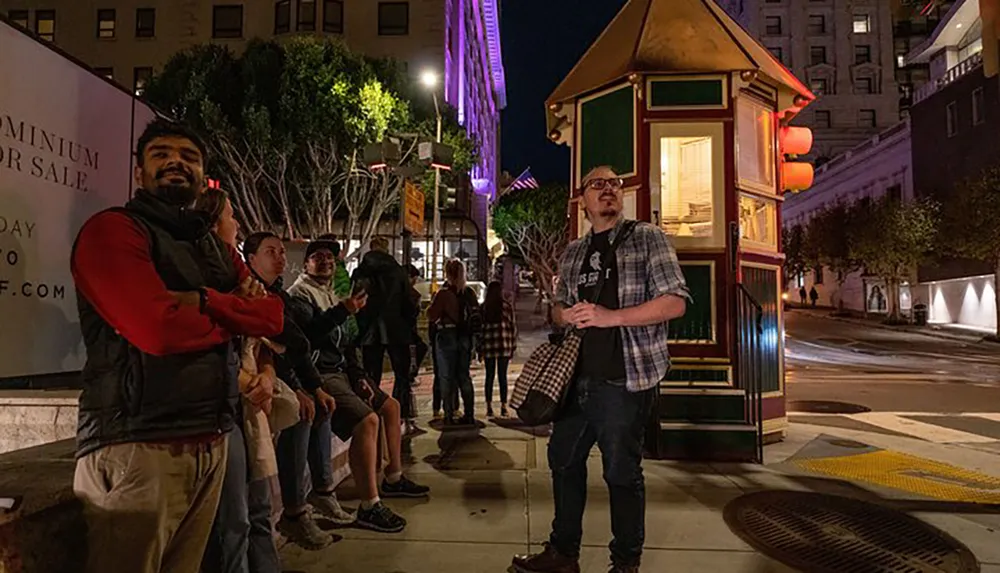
826, 407
830, 534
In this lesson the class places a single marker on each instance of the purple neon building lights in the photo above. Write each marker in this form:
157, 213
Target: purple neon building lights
475, 83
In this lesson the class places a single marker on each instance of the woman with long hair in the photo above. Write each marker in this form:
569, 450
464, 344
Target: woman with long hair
497, 344
451, 315
242, 538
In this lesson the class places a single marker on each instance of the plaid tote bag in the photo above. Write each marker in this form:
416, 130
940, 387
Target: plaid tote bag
546, 377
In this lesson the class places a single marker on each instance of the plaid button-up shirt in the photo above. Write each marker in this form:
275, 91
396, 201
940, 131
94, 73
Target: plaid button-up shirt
647, 269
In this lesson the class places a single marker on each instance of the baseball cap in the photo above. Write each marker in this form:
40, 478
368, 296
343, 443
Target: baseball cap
322, 244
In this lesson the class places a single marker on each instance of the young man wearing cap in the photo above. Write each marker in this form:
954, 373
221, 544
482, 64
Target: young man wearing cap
308, 443
360, 403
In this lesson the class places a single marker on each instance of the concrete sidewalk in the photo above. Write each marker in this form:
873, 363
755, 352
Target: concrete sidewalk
492, 497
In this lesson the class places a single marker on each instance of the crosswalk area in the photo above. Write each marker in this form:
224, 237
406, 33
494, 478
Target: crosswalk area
980, 428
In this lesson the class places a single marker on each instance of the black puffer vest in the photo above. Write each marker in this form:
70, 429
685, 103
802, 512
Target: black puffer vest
130, 396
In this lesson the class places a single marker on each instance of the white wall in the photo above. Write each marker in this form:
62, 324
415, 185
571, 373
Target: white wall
65, 153
967, 302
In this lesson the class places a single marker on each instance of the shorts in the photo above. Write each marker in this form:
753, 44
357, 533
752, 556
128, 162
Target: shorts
351, 409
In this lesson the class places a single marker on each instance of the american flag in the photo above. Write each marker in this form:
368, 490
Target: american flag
524, 181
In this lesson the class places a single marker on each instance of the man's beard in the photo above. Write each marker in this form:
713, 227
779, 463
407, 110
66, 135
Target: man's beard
177, 193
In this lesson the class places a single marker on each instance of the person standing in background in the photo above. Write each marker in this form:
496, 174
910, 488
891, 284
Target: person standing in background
497, 343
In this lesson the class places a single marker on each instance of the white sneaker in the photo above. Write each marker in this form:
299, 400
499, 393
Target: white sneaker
304, 532
329, 507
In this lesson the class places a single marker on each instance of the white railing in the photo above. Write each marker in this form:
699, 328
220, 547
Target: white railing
964, 67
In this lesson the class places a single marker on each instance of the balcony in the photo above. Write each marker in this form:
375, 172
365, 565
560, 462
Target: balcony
932, 87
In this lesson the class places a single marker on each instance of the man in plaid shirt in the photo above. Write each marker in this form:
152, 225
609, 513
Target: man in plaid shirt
623, 357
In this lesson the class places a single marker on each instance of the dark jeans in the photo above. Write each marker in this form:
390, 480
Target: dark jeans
373, 356
496, 368
241, 540
615, 419
301, 445
454, 358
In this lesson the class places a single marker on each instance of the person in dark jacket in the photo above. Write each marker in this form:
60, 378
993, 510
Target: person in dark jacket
454, 313
160, 299
361, 404
307, 444
388, 321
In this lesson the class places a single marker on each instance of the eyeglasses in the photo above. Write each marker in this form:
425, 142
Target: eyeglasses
602, 184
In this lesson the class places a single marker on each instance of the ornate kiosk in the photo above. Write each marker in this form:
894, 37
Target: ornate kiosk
694, 114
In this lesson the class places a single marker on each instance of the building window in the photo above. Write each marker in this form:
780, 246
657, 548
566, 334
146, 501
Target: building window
45, 24
817, 25
393, 18
283, 17
140, 78
687, 186
333, 16
106, 24
864, 86
951, 117
306, 16
772, 25
819, 86
105, 72
862, 24
817, 55
901, 61
19, 17
895, 192
778, 54
978, 106
823, 119
145, 22
866, 118
862, 54
227, 21
759, 221
818, 275
755, 145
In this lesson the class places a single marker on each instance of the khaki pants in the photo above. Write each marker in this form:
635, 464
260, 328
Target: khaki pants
150, 507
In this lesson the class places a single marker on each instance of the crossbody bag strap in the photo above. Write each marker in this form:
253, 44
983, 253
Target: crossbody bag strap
627, 229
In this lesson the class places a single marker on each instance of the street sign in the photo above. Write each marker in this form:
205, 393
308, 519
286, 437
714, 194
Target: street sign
413, 209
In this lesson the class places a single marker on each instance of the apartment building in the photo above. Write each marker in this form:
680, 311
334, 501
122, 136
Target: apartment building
459, 40
844, 50
956, 134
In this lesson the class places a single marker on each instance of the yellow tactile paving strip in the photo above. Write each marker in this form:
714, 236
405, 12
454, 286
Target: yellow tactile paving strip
910, 474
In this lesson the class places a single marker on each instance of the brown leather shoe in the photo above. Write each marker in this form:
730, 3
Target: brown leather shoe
549, 561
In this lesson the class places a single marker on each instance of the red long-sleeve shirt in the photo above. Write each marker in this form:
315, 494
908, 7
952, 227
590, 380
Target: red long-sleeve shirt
113, 269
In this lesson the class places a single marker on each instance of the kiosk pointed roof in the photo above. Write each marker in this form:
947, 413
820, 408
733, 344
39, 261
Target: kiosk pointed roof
672, 36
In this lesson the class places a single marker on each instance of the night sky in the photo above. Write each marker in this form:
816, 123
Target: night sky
542, 41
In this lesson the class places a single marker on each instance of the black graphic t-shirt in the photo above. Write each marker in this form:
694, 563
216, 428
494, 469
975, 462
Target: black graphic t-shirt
601, 354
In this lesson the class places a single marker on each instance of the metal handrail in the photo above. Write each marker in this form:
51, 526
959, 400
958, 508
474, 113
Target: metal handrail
749, 350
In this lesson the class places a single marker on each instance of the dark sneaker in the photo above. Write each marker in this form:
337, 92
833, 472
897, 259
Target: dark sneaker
549, 561
404, 488
380, 518
624, 569
304, 532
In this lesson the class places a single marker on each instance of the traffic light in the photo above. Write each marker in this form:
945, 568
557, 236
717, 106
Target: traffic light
381, 155
794, 141
436, 155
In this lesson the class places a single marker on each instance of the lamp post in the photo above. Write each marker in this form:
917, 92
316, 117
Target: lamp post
430, 80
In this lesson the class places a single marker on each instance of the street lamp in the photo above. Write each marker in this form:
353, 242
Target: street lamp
430, 80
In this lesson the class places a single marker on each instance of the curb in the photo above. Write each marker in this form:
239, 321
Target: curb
968, 338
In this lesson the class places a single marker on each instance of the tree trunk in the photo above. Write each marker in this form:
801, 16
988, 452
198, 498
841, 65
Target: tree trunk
892, 286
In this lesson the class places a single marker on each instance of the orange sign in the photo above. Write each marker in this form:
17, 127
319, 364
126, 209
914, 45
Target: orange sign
413, 209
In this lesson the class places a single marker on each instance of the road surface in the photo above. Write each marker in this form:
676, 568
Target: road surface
855, 376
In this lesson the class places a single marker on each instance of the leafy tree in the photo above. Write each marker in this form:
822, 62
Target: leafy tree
828, 243
533, 224
891, 238
971, 223
286, 123
793, 246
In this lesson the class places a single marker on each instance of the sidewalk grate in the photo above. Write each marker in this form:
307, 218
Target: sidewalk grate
825, 407
822, 533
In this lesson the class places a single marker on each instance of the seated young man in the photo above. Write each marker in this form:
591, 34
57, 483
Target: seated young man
360, 403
